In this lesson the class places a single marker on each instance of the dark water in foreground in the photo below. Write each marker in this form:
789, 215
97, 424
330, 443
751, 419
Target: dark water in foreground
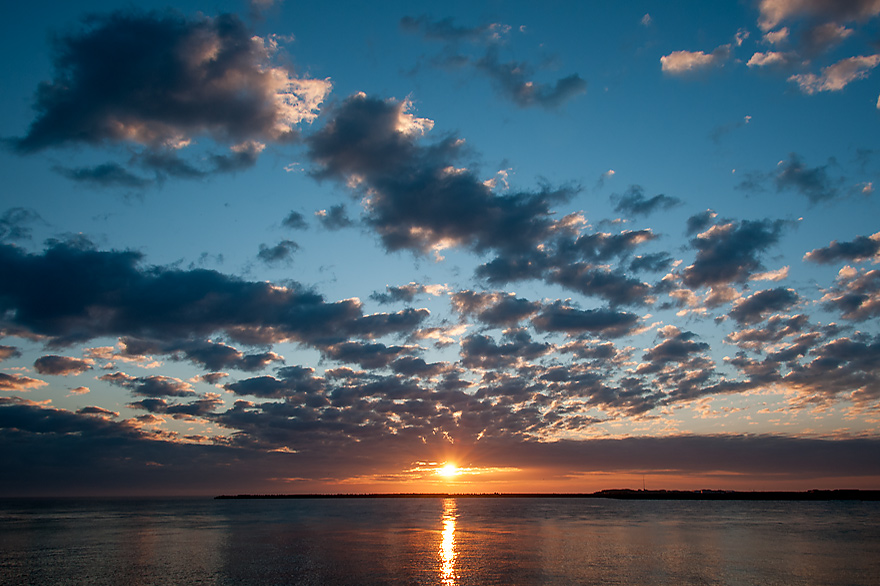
439, 541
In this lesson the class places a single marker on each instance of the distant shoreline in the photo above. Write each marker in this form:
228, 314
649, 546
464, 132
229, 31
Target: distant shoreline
619, 494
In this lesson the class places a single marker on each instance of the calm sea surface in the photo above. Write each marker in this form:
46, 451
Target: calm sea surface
439, 541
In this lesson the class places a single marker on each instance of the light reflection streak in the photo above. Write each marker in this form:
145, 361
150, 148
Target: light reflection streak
448, 576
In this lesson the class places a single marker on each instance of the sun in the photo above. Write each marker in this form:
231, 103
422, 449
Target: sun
448, 470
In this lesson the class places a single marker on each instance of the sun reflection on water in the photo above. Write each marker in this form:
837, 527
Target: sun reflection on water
447, 545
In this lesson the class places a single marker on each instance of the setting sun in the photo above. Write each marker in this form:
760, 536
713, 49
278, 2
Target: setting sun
448, 470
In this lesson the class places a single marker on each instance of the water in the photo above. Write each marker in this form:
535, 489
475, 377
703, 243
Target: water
439, 541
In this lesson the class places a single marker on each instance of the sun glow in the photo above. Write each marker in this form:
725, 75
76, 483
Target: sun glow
448, 470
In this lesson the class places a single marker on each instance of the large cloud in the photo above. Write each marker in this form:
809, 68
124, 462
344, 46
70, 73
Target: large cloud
73, 293
161, 80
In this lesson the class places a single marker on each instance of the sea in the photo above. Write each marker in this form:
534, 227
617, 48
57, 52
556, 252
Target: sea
442, 541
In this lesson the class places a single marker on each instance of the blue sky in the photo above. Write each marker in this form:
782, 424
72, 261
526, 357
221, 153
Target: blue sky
293, 247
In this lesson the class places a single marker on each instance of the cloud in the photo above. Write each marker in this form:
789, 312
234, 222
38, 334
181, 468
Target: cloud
18, 382
482, 352
861, 248
814, 183
334, 219
295, 221
15, 224
683, 62
634, 203
446, 30
559, 317
754, 307
418, 198
46, 295
730, 252
61, 365
161, 81
494, 309
837, 76
7, 352
773, 12
856, 294
406, 293
512, 79
772, 59
281, 252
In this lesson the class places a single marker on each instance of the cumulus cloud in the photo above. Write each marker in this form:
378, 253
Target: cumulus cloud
856, 294
774, 12
161, 81
683, 62
730, 252
19, 382
281, 252
336, 218
15, 224
61, 365
295, 221
861, 248
46, 295
7, 352
755, 307
837, 76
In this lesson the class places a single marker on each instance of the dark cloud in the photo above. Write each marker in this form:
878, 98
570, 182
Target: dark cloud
292, 381
368, 355
97, 411
445, 29
814, 183
71, 293
654, 262
61, 365
729, 252
513, 79
811, 182
197, 408
855, 294
15, 224
419, 200
677, 346
7, 352
699, 222
563, 318
634, 203
775, 329
105, 175
848, 367
405, 293
495, 309
577, 263
281, 252
150, 386
754, 307
211, 355
334, 218
295, 221
479, 351
161, 78
861, 248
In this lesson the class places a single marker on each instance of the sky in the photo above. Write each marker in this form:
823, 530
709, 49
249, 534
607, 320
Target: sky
491, 246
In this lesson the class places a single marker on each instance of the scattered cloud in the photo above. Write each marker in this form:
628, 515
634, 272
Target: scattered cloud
837, 76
